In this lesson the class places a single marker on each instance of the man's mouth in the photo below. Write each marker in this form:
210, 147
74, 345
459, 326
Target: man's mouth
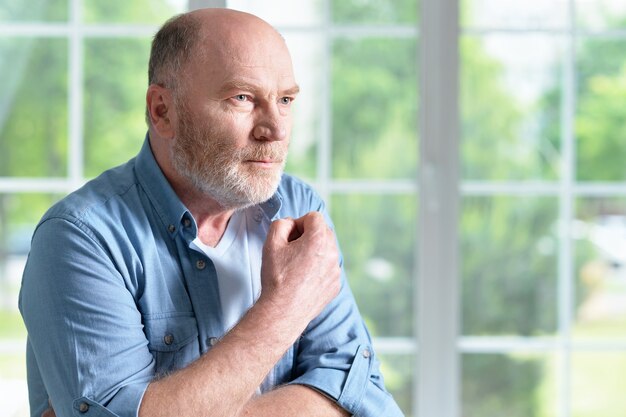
263, 162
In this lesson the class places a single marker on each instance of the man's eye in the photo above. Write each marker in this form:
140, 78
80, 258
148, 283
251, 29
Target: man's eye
241, 97
286, 100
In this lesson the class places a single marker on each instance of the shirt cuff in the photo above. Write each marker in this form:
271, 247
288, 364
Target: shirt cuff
354, 389
125, 403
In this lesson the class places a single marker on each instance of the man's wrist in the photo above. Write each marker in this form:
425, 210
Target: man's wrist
264, 327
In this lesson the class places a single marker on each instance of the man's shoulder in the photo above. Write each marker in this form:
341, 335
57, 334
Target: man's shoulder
95, 195
292, 184
297, 196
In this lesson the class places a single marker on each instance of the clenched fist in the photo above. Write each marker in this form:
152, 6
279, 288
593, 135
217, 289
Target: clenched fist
300, 271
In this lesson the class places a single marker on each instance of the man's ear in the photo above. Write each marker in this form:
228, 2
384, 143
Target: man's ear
160, 105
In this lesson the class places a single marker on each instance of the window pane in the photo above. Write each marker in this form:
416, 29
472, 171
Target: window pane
511, 385
115, 87
33, 107
136, 11
377, 235
598, 384
509, 265
600, 116
601, 14
307, 55
398, 373
601, 265
511, 105
518, 14
374, 101
19, 213
283, 12
33, 10
14, 399
375, 11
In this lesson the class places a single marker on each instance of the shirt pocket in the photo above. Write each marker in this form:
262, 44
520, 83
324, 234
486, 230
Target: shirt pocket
172, 340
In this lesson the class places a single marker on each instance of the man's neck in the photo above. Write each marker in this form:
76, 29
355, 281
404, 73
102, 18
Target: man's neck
211, 226
211, 218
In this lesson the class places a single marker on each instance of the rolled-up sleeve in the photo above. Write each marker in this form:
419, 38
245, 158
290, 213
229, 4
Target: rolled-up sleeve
86, 343
335, 356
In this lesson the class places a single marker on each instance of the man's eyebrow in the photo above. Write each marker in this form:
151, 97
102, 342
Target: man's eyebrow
246, 86
237, 85
293, 90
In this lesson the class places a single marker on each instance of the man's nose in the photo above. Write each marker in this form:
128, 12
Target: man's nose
271, 125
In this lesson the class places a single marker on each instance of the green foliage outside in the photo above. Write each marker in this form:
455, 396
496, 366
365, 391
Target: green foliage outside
374, 101
601, 119
11, 325
113, 117
34, 120
375, 11
34, 11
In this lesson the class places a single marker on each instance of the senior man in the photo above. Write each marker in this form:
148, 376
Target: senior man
197, 279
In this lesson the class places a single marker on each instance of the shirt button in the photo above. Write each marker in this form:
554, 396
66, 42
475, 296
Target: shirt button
83, 407
171, 228
168, 339
211, 341
186, 222
366, 353
200, 264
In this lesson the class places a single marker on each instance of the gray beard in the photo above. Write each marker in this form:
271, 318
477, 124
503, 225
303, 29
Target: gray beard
224, 181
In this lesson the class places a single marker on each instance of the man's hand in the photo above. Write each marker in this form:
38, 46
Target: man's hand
300, 271
49, 413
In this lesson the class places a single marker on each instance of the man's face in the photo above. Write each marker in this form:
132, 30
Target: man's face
208, 153
234, 121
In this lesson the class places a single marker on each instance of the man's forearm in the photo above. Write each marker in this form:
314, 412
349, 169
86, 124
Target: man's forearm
293, 400
222, 382
209, 387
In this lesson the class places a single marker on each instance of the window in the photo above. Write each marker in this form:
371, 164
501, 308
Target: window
542, 212
471, 154
71, 105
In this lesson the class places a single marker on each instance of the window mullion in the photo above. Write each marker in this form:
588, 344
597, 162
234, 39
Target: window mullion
566, 216
75, 85
324, 149
438, 288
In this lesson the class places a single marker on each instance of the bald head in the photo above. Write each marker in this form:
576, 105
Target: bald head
213, 34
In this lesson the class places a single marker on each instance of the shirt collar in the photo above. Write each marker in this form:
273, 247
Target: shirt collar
172, 212
271, 206
168, 206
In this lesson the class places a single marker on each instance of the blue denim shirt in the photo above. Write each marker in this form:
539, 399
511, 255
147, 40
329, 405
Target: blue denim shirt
113, 296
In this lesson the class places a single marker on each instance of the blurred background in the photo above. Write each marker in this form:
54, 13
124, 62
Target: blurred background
535, 322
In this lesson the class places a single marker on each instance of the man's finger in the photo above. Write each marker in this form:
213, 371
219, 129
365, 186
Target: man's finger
310, 221
48, 413
282, 230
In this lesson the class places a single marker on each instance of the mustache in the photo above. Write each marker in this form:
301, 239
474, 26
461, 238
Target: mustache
262, 152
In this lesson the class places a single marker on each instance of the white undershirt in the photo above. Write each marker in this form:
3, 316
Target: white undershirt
237, 260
